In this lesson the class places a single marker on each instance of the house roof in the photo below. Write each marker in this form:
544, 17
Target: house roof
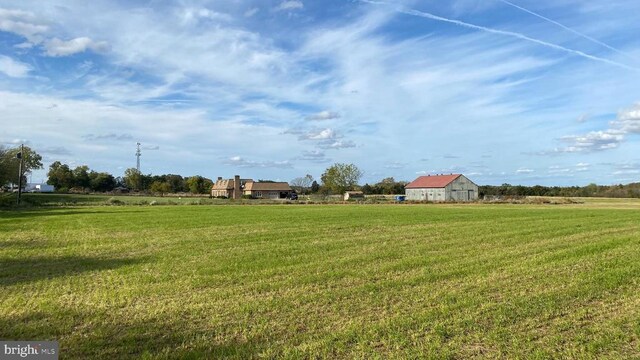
267, 186
225, 184
432, 181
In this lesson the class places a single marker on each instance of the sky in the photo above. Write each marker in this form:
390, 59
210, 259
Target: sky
519, 91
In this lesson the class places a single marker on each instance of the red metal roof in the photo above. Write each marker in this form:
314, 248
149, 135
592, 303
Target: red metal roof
432, 181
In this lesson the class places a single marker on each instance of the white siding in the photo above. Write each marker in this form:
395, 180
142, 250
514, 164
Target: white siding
461, 189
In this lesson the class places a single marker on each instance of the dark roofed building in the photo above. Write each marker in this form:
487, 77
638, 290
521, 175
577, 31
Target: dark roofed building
236, 187
267, 190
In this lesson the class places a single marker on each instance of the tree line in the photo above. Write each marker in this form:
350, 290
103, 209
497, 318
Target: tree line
336, 179
592, 190
82, 179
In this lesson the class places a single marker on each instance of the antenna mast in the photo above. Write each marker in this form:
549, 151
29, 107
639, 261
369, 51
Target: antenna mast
138, 154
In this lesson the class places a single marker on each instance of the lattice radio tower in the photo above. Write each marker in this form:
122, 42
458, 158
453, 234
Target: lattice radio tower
138, 154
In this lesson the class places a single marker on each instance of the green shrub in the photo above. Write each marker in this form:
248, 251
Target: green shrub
114, 201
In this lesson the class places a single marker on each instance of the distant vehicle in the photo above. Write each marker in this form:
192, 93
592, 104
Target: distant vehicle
44, 188
293, 196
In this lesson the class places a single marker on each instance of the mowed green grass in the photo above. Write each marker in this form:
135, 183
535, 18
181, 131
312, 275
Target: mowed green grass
324, 281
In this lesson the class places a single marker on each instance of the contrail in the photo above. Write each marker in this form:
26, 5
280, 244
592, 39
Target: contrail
567, 28
502, 32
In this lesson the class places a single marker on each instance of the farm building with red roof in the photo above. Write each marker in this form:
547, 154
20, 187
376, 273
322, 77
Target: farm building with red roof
454, 187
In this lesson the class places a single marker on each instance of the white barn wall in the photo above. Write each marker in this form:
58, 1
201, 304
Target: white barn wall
461, 189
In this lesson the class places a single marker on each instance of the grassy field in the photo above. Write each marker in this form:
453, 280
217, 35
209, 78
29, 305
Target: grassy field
325, 281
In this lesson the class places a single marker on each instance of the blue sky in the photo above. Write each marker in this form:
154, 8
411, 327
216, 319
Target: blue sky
521, 91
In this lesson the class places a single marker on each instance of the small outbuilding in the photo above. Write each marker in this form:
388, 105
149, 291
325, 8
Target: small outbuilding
353, 195
453, 187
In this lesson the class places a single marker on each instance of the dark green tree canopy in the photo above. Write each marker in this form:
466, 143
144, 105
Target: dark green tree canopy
341, 177
10, 163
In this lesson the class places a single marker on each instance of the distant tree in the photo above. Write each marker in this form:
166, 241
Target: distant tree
101, 181
160, 187
10, 163
120, 182
81, 177
302, 184
176, 183
198, 184
315, 187
60, 176
133, 179
341, 177
390, 186
367, 189
5, 166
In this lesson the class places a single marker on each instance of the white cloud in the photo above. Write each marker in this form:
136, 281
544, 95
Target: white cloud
13, 68
324, 115
582, 167
583, 118
592, 141
110, 136
395, 165
315, 156
22, 23
524, 171
251, 12
320, 134
629, 119
555, 169
57, 47
241, 162
336, 144
192, 15
290, 5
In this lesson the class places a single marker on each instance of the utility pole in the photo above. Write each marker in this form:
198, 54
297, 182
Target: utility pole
138, 154
20, 156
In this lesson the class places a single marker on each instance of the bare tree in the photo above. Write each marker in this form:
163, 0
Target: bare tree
302, 184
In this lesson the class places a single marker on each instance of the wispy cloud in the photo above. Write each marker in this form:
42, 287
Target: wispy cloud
112, 136
57, 47
55, 150
524, 170
354, 85
290, 5
394, 165
192, 15
251, 12
629, 120
324, 115
241, 162
315, 156
13, 68
503, 32
336, 144
23, 23
576, 32
592, 141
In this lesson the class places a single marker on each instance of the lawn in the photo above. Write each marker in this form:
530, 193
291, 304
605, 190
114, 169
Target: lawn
324, 281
